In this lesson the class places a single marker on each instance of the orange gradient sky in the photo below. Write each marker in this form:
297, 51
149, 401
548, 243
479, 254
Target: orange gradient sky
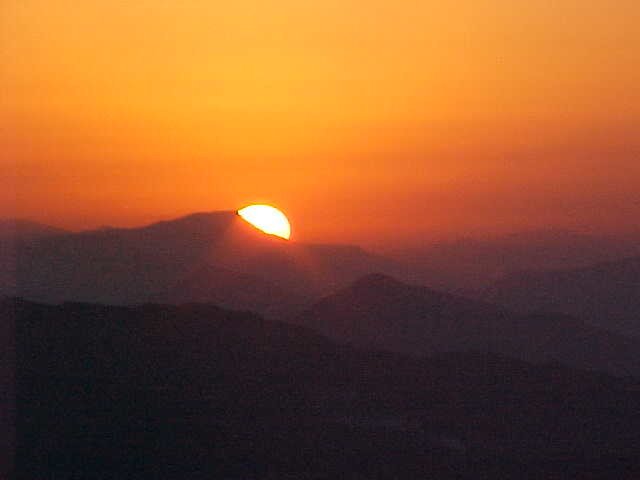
365, 121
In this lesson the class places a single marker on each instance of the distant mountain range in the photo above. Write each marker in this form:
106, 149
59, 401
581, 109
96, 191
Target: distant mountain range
134, 373
17, 230
606, 294
14, 233
199, 392
220, 286
380, 312
469, 265
215, 257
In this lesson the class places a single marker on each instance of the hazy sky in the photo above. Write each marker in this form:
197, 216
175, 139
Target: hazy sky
365, 120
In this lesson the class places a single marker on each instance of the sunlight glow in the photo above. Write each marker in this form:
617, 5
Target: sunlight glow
268, 219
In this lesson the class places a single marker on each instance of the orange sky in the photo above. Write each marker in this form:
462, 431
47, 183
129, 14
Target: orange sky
366, 121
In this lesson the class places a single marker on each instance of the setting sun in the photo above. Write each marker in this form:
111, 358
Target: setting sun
268, 219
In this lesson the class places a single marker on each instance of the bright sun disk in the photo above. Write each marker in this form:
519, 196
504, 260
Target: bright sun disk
268, 219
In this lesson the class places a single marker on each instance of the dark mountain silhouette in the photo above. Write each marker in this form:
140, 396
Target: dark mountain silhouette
606, 294
380, 312
200, 392
469, 265
14, 234
20, 230
161, 261
7, 387
232, 290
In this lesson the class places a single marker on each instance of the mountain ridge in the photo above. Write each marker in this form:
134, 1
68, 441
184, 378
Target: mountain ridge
606, 294
196, 391
134, 265
380, 312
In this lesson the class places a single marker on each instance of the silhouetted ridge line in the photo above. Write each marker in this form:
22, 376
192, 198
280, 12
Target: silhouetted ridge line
606, 294
204, 257
380, 312
196, 391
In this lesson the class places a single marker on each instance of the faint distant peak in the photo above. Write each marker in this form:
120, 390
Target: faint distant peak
378, 288
548, 235
27, 229
192, 222
333, 247
378, 281
197, 218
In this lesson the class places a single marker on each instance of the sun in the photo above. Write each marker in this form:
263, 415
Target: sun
268, 219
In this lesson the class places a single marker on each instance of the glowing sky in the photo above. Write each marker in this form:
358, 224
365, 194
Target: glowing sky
364, 120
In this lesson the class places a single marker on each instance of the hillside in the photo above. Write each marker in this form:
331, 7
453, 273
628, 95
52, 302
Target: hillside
606, 294
161, 261
380, 312
200, 392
